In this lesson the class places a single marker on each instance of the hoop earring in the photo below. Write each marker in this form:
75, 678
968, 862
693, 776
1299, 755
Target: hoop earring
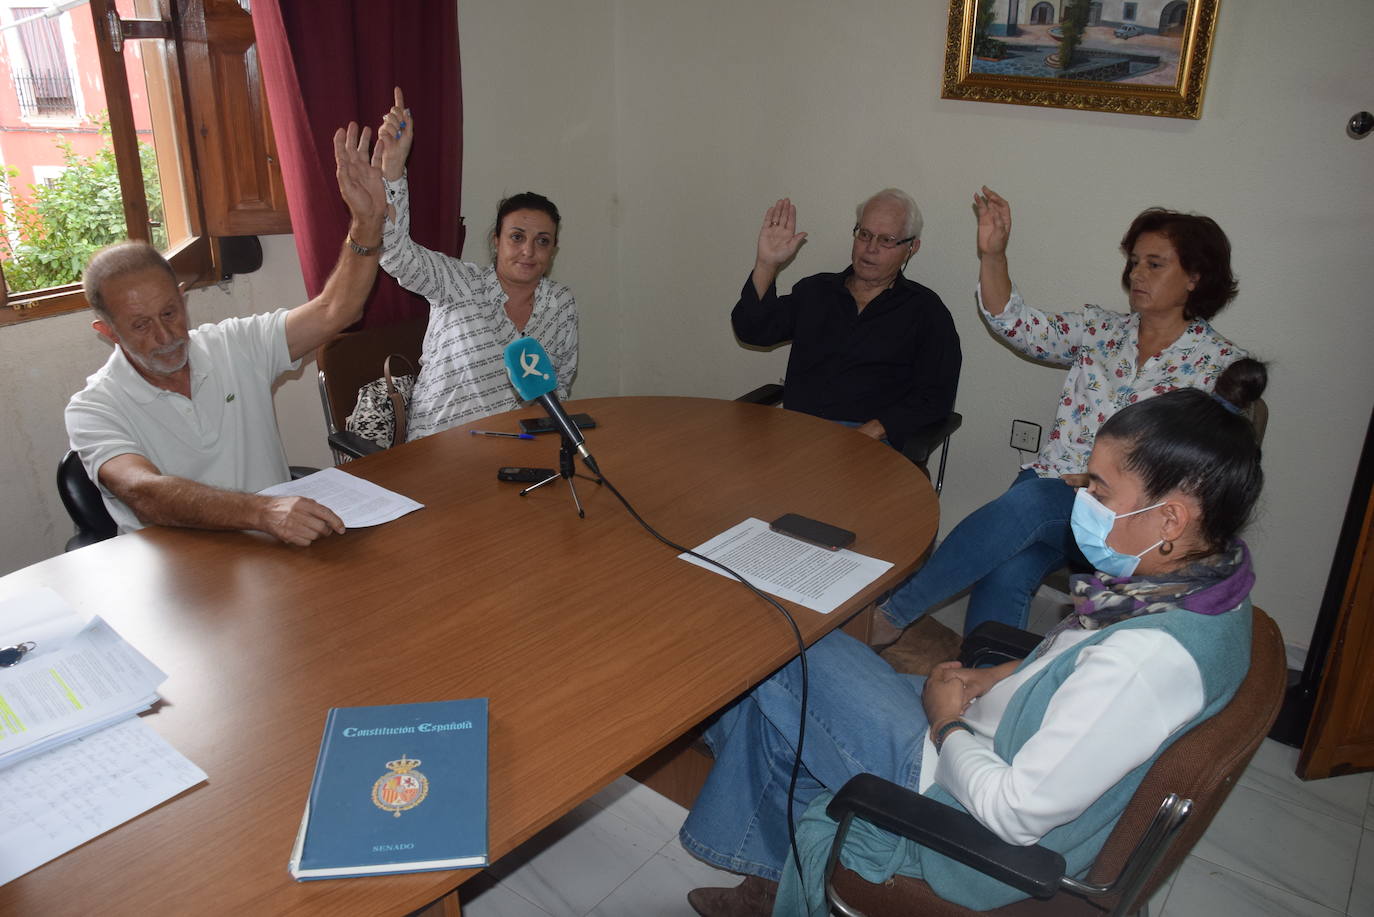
1167, 548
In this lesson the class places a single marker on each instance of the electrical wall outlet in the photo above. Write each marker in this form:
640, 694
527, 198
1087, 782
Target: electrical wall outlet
1025, 436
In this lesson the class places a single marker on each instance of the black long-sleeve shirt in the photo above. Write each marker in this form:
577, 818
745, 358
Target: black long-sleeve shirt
897, 361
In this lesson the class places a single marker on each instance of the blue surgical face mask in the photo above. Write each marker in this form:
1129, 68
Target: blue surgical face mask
1092, 523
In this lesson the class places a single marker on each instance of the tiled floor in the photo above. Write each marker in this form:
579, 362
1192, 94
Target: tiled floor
1279, 846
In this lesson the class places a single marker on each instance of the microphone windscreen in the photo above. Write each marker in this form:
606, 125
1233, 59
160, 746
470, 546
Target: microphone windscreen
530, 369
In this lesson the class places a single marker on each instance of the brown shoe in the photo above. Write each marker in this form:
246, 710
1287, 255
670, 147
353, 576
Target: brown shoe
751, 898
925, 643
882, 632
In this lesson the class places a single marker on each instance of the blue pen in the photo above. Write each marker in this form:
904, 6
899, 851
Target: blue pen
494, 433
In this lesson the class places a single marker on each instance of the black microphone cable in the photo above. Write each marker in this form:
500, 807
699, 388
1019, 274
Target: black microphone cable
801, 655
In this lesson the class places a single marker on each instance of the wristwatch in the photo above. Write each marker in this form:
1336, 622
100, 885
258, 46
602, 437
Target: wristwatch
364, 249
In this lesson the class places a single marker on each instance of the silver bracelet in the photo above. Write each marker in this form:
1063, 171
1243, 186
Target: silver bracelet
363, 249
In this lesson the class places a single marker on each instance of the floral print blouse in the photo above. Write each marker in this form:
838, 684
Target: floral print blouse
1099, 347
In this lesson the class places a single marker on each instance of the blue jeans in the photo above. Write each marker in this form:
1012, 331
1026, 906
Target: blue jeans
862, 717
1003, 550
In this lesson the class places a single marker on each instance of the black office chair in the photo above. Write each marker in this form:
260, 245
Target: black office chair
918, 446
83, 502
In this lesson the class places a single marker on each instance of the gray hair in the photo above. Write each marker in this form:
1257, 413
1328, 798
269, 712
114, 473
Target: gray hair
116, 260
914, 221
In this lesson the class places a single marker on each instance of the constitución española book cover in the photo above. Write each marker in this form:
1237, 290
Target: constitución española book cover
397, 788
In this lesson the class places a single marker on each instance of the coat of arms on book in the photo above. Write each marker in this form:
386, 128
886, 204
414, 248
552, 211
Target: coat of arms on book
401, 789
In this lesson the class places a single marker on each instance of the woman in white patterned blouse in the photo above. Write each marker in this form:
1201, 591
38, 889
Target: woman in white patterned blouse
475, 311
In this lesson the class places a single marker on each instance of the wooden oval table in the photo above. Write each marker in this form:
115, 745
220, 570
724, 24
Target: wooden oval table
594, 643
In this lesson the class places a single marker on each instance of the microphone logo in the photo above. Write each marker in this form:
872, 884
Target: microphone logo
529, 362
530, 369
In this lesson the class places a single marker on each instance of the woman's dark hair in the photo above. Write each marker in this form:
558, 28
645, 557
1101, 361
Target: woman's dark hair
1186, 440
1243, 382
1203, 249
526, 200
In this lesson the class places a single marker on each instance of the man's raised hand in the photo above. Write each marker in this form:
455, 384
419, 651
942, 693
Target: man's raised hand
778, 237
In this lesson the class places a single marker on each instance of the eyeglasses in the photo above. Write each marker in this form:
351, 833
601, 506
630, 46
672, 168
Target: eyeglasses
864, 236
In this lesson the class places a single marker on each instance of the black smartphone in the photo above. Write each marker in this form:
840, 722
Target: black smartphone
546, 424
830, 537
524, 475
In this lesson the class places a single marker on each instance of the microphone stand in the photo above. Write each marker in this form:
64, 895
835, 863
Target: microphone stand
567, 471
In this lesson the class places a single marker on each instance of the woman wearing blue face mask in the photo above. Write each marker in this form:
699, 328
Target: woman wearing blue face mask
1045, 751
1092, 524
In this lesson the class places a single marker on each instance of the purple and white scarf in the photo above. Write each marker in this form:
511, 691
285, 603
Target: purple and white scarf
1210, 586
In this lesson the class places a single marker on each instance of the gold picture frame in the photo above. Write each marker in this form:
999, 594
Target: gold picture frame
1144, 58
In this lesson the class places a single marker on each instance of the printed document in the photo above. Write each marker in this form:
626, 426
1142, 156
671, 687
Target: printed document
74, 759
64, 797
357, 502
788, 568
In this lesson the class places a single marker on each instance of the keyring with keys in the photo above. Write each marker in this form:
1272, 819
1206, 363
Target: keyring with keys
11, 655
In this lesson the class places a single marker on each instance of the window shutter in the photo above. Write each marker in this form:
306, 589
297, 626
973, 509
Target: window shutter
240, 180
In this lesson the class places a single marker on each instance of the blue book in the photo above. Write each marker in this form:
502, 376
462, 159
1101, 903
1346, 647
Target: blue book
397, 788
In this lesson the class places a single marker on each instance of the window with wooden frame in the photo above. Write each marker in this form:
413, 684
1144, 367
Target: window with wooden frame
182, 138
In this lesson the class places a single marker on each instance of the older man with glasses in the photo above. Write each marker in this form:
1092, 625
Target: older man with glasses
870, 348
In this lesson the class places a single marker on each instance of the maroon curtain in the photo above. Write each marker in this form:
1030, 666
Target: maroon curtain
325, 64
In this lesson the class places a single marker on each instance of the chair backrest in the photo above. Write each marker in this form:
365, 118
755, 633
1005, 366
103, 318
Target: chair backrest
83, 502
353, 359
1204, 764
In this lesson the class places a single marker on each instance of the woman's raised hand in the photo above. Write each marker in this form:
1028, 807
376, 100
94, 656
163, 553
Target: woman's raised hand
394, 138
778, 237
994, 222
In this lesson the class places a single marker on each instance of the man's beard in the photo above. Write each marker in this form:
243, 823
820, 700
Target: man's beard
164, 360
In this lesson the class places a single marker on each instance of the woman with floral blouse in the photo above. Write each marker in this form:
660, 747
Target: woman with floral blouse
1177, 276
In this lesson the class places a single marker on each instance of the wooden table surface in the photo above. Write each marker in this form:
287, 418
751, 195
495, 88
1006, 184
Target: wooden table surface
595, 645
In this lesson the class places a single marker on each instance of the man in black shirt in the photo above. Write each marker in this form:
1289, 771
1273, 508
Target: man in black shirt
869, 346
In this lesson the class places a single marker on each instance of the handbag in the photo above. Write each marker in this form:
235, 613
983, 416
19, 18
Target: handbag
380, 413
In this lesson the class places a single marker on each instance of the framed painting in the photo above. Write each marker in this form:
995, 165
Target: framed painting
1147, 57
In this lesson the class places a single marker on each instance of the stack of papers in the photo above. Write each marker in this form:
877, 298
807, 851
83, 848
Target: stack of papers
93, 680
68, 726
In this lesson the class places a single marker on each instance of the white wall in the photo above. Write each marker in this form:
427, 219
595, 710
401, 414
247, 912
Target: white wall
538, 115
724, 106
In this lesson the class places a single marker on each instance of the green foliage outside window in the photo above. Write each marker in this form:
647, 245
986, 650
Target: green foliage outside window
49, 235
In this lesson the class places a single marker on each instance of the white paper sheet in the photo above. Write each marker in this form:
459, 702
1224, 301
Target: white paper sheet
357, 502
62, 798
790, 569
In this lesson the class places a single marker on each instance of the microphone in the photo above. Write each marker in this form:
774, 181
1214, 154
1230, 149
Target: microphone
531, 372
